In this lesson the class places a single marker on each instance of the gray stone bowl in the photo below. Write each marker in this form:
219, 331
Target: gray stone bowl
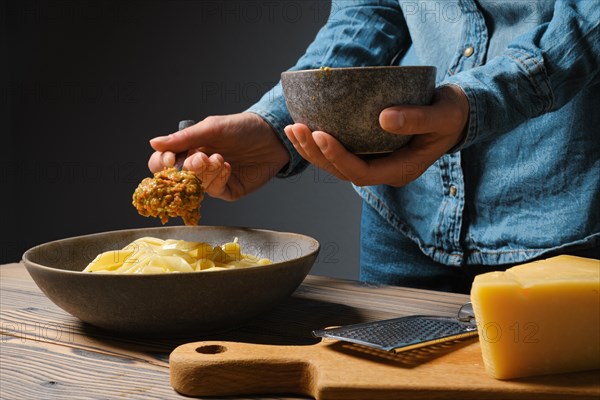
195, 302
346, 102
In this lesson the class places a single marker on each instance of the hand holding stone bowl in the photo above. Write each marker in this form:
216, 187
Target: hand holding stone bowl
344, 114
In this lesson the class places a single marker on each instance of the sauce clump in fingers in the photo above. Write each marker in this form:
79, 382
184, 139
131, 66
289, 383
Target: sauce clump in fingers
170, 193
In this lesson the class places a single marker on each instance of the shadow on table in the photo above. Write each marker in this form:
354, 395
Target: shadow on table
289, 323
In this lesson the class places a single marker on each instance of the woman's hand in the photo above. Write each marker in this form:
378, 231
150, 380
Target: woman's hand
436, 129
232, 155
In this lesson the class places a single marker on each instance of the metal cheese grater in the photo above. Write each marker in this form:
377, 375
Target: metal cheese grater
405, 333
180, 157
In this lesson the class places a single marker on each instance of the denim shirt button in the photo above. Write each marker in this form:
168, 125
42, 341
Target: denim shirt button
453, 191
468, 51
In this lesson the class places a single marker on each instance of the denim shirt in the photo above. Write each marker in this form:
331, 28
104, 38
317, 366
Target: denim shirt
525, 181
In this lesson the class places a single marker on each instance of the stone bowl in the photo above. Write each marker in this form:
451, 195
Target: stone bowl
346, 102
194, 302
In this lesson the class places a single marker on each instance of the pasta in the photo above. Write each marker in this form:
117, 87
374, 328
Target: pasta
149, 255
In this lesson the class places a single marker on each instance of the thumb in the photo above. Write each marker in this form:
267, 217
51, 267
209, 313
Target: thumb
410, 120
447, 115
175, 142
185, 139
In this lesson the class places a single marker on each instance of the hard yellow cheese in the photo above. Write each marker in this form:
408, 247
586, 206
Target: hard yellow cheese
539, 318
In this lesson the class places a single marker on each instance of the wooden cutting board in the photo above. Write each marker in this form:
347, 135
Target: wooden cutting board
337, 370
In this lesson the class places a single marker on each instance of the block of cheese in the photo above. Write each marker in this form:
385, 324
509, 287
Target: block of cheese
539, 318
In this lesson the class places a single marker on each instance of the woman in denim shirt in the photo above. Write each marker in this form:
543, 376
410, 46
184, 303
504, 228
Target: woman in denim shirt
504, 166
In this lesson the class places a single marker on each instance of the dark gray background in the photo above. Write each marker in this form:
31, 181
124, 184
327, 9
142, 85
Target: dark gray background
88, 83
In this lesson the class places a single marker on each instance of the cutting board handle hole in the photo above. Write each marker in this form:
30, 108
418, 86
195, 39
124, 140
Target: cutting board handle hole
211, 349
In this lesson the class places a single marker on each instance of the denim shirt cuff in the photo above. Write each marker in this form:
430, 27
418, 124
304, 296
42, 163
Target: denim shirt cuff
515, 83
273, 110
471, 128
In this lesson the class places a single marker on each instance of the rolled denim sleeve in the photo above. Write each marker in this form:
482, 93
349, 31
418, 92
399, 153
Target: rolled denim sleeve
357, 33
538, 73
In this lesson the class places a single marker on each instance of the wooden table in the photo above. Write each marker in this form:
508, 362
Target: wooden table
46, 353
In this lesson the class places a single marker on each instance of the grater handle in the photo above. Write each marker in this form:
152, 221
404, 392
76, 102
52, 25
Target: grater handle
186, 123
180, 157
466, 313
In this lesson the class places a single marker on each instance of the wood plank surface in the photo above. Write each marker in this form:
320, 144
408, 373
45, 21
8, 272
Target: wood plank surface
46, 353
